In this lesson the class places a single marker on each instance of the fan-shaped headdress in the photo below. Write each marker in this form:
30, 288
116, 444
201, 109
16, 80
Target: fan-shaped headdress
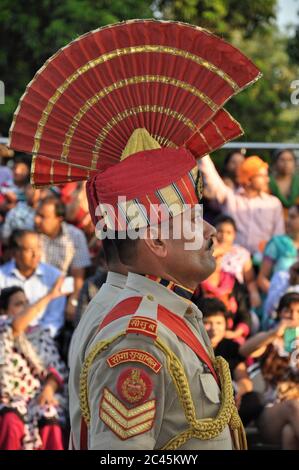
167, 80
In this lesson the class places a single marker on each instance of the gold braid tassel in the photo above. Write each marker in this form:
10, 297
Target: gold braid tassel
209, 428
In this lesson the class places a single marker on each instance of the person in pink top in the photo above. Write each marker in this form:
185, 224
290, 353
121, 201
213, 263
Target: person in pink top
258, 215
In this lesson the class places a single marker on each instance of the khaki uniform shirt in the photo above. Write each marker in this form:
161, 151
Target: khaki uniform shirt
101, 303
114, 382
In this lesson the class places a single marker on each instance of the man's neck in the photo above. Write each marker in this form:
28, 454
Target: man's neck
26, 272
251, 193
56, 232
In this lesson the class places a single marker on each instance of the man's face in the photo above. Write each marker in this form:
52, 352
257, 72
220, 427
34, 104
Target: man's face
191, 256
20, 173
46, 220
260, 182
215, 326
28, 252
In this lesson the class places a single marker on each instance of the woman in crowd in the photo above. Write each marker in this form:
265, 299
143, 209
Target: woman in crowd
281, 251
284, 180
277, 350
224, 286
32, 376
235, 259
231, 164
281, 283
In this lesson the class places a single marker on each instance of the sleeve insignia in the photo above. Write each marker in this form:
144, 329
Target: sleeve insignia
134, 385
143, 326
134, 355
125, 422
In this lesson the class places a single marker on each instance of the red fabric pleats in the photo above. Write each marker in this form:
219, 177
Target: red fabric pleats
11, 431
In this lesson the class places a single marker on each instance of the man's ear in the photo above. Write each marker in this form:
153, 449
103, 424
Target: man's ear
155, 243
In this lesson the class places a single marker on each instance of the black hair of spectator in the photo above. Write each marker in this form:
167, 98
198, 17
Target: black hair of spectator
57, 203
276, 154
23, 158
225, 219
230, 154
17, 235
286, 301
5, 296
211, 306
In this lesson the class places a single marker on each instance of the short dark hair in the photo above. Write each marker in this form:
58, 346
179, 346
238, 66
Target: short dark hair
286, 301
56, 202
211, 306
18, 235
126, 249
225, 219
230, 154
110, 251
6, 294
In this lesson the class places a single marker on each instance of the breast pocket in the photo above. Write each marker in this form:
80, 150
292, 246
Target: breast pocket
208, 402
210, 388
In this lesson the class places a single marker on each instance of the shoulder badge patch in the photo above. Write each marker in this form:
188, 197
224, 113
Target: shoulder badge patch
143, 326
134, 385
135, 355
125, 422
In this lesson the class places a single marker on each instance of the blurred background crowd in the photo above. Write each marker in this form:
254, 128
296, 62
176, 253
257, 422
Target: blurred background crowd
250, 303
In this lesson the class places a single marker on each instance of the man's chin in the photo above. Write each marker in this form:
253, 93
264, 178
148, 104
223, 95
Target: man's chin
209, 269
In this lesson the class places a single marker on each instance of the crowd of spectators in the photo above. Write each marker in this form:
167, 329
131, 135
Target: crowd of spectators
250, 303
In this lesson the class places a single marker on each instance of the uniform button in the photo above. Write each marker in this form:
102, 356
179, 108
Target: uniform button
189, 311
150, 297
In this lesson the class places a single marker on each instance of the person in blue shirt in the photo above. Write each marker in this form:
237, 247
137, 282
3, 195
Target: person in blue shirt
36, 278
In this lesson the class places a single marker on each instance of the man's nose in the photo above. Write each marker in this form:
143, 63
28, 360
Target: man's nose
209, 230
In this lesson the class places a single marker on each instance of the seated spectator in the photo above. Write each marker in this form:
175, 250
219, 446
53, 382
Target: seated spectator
63, 246
73, 195
276, 350
33, 378
14, 191
281, 283
21, 217
231, 164
235, 259
258, 215
25, 270
281, 251
215, 321
284, 180
5, 171
225, 287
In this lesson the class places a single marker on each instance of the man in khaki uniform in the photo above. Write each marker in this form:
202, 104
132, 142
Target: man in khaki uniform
101, 303
150, 103
149, 379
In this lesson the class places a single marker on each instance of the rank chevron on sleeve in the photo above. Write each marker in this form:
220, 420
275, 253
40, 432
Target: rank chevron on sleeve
126, 422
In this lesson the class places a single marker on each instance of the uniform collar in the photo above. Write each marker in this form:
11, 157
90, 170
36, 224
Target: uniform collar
116, 279
161, 295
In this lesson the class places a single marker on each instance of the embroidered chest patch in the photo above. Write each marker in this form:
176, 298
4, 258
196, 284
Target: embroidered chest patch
126, 422
134, 385
135, 355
